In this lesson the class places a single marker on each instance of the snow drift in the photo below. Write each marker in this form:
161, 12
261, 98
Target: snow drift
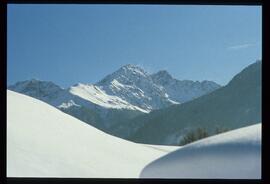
42, 141
232, 155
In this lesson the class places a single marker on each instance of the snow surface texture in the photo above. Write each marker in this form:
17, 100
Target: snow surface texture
42, 141
232, 155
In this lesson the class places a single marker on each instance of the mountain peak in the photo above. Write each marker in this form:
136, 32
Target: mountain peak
129, 66
162, 77
35, 87
35, 81
247, 74
163, 74
133, 68
125, 74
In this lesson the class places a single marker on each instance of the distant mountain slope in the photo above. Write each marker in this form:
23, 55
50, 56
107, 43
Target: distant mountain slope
44, 142
183, 90
111, 103
43, 90
235, 105
232, 155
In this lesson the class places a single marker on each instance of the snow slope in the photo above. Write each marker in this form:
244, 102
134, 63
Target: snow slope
42, 141
232, 155
98, 96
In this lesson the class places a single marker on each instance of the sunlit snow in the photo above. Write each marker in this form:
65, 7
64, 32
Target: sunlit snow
42, 141
232, 155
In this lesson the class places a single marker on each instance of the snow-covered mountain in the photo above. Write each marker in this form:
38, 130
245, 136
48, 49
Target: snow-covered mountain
183, 90
134, 85
130, 87
155, 91
44, 90
44, 142
119, 97
64, 98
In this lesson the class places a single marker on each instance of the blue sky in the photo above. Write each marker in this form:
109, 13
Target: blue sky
68, 44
